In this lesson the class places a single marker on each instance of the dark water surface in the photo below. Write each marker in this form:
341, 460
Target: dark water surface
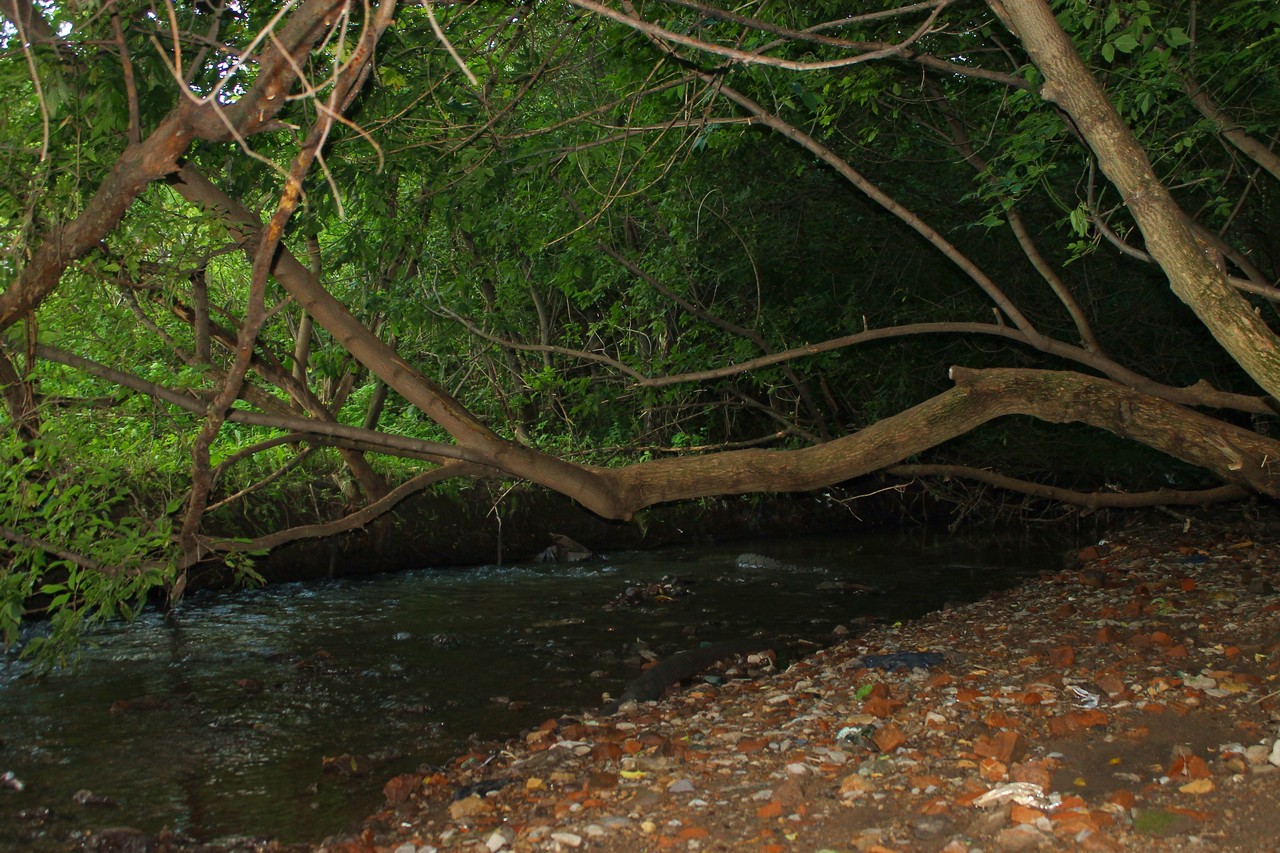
252, 690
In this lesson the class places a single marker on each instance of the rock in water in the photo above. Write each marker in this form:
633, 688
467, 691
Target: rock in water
565, 550
760, 561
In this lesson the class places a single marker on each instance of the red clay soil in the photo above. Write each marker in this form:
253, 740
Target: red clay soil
1132, 703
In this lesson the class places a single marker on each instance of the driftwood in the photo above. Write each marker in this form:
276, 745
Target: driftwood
653, 683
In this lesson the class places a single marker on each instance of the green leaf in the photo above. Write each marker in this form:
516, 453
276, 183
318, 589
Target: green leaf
1126, 43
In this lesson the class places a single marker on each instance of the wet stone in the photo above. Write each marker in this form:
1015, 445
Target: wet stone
931, 826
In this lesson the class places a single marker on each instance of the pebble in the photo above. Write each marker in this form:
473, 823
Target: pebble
568, 839
1019, 838
931, 826
984, 749
500, 838
1257, 754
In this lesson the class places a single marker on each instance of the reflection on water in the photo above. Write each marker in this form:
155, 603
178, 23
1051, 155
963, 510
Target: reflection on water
216, 724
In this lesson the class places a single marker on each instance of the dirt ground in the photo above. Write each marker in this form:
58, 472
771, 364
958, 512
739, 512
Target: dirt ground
1131, 702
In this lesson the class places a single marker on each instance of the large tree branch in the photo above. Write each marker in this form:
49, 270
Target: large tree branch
1192, 274
480, 444
1235, 455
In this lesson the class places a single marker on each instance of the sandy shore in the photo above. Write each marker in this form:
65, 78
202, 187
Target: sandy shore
1131, 703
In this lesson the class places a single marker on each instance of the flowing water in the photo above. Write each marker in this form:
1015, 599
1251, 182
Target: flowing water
217, 724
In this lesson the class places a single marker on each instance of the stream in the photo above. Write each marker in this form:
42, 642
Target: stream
217, 724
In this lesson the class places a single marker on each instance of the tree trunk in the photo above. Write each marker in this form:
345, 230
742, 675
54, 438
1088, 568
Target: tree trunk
1193, 275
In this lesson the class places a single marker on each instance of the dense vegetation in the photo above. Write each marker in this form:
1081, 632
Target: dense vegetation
330, 254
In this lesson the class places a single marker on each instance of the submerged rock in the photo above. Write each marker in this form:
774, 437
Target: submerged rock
564, 550
760, 561
121, 839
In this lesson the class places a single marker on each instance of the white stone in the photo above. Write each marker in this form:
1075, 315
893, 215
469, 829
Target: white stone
1274, 757
568, 839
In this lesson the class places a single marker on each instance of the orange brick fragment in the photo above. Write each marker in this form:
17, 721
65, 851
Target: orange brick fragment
1191, 813
889, 738
1066, 824
938, 805
1110, 684
1024, 814
999, 720
606, 751
992, 770
752, 744
1189, 766
1062, 656
967, 694
1002, 746
692, 832
881, 706
771, 809
1123, 799
1036, 772
1077, 721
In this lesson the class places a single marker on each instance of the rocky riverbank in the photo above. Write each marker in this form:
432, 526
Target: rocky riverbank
1129, 703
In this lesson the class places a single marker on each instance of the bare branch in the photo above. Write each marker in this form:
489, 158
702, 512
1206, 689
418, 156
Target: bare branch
356, 519
80, 560
1231, 129
1089, 500
383, 442
753, 57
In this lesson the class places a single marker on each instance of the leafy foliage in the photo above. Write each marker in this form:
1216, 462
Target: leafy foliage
584, 236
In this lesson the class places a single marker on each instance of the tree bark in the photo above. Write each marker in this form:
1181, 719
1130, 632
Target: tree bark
1236, 455
1192, 274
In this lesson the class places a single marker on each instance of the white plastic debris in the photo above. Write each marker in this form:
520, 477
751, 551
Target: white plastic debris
1022, 793
1084, 698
